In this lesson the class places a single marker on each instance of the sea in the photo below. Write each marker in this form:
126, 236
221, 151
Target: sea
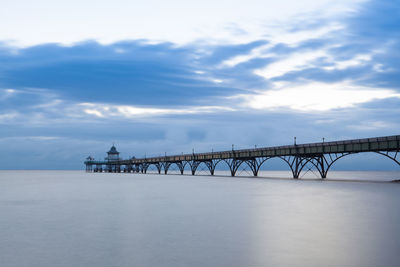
74, 218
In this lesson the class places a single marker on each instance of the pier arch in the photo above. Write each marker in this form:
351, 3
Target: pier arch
174, 167
151, 167
323, 163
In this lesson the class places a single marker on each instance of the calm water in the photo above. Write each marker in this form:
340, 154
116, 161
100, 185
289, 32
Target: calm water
71, 218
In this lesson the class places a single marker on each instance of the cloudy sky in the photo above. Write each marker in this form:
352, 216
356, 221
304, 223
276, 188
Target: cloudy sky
169, 76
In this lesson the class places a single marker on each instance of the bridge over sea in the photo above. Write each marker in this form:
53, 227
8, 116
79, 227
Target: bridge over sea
320, 156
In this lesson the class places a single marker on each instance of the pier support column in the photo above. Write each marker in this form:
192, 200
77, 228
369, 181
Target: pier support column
193, 166
211, 164
158, 165
296, 164
255, 164
234, 165
323, 162
166, 167
181, 167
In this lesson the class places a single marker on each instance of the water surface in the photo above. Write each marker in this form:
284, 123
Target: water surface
73, 218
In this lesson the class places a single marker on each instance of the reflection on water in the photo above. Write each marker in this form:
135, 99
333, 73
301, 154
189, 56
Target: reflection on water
69, 218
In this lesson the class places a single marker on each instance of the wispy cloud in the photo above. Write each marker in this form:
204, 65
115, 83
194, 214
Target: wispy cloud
282, 36
107, 110
8, 117
7, 93
28, 138
294, 62
372, 125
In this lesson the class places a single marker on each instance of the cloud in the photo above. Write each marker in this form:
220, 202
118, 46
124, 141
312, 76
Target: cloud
8, 117
258, 52
321, 59
28, 138
106, 110
6, 93
44, 106
356, 61
315, 97
294, 62
372, 125
90, 72
177, 21
279, 37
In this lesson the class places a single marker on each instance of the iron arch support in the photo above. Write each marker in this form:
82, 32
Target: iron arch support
138, 168
234, 165
145, 167
324, 162
296, 164
392, 157
255, 164
166, 166
157, 164
211, 165
179, 164
193, 166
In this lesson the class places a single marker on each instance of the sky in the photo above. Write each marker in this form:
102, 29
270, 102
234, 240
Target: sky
160, 77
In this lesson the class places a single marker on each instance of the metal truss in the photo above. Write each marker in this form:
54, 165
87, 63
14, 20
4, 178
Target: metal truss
324, 162
296, 164
210, 164
391, 155
255, 164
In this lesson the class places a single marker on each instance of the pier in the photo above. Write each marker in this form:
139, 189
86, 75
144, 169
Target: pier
320, 156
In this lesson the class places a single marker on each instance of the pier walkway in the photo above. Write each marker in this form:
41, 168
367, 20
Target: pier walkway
320, 156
